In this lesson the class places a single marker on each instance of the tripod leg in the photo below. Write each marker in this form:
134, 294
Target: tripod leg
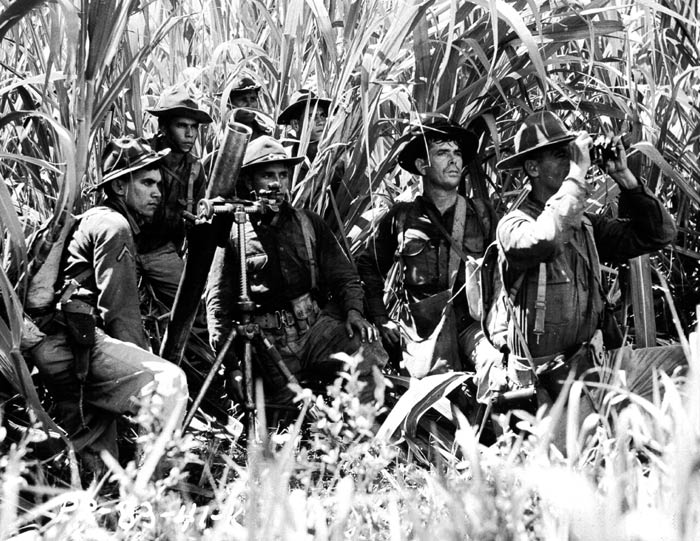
280, 365
249, 395
210, 377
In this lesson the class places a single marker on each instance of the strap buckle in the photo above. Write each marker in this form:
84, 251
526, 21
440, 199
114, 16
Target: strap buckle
284, 319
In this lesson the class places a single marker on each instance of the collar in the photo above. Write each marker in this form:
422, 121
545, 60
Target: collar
426, 203
119, 206
532, 205
161, 141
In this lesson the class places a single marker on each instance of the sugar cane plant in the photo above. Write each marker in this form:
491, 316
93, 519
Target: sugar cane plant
75, 72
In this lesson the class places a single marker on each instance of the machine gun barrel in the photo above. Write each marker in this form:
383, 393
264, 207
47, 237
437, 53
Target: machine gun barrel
202, 241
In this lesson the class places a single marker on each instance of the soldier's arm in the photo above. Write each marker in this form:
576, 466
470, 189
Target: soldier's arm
374, 263
526, 242
221, 293
114, 264
644, 226
336, 269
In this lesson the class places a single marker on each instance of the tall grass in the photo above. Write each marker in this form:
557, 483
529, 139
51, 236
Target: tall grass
631, 478
74, 73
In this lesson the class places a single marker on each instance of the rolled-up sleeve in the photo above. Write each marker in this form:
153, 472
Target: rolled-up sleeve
526, 242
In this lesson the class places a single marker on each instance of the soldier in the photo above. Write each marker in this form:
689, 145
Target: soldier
95, 359
307, 294
306, 112
431, 237
244, 100
551, 249
307, 115
160, 243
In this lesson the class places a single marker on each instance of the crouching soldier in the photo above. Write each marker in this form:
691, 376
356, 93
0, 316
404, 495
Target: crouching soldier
94, 359
308, 297
431, 237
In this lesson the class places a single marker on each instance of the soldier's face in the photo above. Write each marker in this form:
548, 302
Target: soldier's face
249, 99
142, 192
443, 168
549, 167
183, 133
265, 177
317, 123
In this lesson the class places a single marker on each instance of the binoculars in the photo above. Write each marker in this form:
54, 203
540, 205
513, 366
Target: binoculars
603, 149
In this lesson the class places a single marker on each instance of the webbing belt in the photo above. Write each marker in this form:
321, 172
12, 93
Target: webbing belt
307, 231
74, 284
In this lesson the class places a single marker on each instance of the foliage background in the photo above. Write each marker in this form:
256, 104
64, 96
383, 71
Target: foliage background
75, 73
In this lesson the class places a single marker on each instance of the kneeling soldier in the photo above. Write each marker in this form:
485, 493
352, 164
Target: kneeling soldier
94, 359
307, 294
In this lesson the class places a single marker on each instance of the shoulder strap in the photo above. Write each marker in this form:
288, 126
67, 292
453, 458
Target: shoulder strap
583, 253
194, 173
540, 301
457, 248
400, 230
74, 284
456, 254
307, 229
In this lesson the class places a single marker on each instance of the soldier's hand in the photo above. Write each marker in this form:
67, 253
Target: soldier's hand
580, 155
389, 330
618, 169
356, 323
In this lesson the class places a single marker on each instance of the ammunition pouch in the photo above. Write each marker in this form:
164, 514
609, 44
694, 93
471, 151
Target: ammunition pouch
275, 321
306, 312
553, 370
80, 322
427, 312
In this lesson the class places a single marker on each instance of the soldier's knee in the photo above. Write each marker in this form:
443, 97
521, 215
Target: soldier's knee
372, 354
171, 382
